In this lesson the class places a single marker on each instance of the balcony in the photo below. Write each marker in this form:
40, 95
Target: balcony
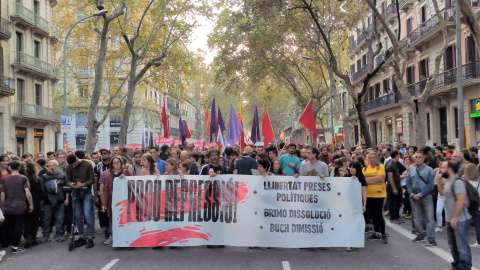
54, 35
352, 46
34, 112
173, 109
405, 5
390, 14
42, 26
382, 101
448, 79
352, 112
360, 73
5, 29
431, 29
33, 66
6, 86
23, 16
417, 88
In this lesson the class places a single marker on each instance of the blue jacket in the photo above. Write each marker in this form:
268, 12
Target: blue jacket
415, 185
161, 166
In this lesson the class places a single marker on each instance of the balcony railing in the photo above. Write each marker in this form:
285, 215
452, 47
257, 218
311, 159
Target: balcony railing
54, 35
431, 24
363, 35
362, 71
24, 14
35, 112
469, 71
381, 101
33, 63
389, 11
5, 29
42, 23
352, 112
6, 86
417, 88
378, 60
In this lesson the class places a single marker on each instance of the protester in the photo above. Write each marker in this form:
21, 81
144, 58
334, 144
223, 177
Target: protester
247, 165
420, 183
276, 169
472, 176
106, 189
376, 192
160, 163
149, 166
32, 219
14, 197
2, 219
313, 166
325, 155
62, 160
394, 189
290, 163
440, 200
233, 167
263, 168
79, 173
136, 165
341, 167
456, 215
171, 166
213, 168
407, 206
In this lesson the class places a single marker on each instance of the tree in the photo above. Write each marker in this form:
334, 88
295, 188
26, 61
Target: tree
416, 103
312, 9
148, 39
102, 30
471, 20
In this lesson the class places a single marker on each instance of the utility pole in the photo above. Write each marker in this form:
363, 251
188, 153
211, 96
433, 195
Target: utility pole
461, 119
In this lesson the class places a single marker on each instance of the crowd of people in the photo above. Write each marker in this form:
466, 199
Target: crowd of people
422, 182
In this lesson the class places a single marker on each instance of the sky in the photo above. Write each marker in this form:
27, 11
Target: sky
199, 39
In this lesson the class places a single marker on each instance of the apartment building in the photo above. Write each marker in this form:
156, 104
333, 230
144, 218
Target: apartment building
27, 121
389, 118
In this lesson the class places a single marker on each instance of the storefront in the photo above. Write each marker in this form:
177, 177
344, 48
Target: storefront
37, 140
20, 135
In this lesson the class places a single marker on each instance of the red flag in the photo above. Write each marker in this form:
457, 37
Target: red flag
187, 130
267, 130
308, 119
164, 122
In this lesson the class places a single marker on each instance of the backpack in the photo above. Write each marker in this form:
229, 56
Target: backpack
473, 197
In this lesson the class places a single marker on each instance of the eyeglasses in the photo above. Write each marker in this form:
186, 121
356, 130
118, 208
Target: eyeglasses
104, 153
116, 162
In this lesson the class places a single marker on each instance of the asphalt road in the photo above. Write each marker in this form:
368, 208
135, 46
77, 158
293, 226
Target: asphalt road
400, 253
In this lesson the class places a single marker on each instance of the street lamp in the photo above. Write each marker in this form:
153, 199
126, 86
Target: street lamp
98, 13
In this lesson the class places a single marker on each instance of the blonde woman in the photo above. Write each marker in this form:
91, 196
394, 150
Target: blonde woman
374, 174
171, 165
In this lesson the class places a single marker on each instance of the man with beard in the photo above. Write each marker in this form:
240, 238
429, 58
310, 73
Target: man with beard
136, 166
99, 169
325, 156
456, 214
290, 163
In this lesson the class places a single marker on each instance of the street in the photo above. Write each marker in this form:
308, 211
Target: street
400, 253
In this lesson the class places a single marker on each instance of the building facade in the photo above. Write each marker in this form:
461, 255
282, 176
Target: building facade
27, 121
390, 119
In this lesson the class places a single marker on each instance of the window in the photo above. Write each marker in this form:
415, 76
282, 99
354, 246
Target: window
471, 53
36, 7
19, 44
20, 90
83, 91
359, 64
428, 127
38, 94
81, 119
409, 25
456, 122
377, 90
423, 14
386, 85
364, 60
1, 60
410, 72
449, 58
423, 69
36, 49
352, 69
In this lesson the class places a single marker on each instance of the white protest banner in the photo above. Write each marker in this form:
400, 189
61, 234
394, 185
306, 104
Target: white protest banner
237, 210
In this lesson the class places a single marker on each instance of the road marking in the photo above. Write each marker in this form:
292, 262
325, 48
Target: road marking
286, 265
110, 264
435, 250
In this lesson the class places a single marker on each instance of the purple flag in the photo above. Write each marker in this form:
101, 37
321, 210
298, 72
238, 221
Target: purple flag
181, 127
234, 127
213, 120
151, 139
143, 139
255, 127
221, 124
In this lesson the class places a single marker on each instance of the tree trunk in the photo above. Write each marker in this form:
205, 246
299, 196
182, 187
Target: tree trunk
122, 140
471, 21
92, 123
346, 131
362, 119
419, 122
